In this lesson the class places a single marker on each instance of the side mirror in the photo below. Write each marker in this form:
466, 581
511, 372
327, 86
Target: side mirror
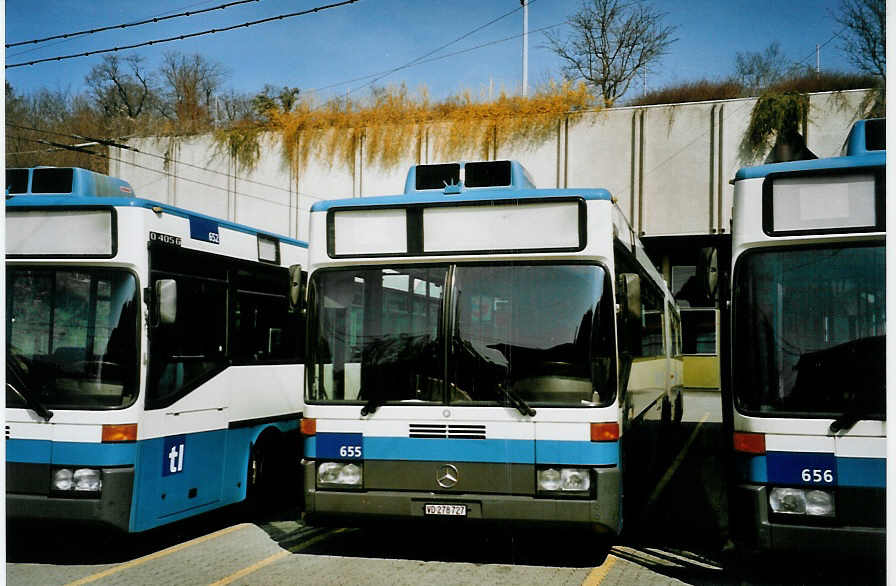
628, 294
166, 300
295, 286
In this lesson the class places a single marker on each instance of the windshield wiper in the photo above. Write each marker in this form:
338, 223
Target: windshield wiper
846, 421
516, 401
371, 405
26, 393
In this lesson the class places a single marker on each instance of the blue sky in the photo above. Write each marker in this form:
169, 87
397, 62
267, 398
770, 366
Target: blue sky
337, 45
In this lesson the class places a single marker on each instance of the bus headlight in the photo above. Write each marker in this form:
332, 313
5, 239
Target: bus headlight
339, 474
819, 503
62, 479
87, 479
564, 480
79, 480
798, 501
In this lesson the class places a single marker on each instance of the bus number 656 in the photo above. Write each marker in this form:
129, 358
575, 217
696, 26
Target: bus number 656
816, 475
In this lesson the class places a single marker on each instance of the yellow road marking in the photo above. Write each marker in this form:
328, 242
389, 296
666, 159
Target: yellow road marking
248, 570
597, 575
320, 537
675, 464
157, 555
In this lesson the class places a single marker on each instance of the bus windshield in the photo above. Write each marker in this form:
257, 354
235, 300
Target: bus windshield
809, 332
543, 333
71, 337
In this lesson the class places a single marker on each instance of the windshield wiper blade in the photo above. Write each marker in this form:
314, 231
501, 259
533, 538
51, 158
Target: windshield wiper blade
846, 421
516, 401
371, 405
26, 393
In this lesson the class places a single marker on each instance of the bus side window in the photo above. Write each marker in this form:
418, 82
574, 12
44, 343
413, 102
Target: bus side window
187, 352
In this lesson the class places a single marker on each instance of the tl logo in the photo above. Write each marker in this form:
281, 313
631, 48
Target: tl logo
173, 455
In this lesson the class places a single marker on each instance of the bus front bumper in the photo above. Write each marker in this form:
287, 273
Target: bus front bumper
352, 508
28, 498
753, 529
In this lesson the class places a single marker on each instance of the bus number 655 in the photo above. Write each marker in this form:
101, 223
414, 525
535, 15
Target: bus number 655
350, 451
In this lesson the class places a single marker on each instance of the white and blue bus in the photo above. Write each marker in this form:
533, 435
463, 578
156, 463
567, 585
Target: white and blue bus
153, 355
479, 349
806, 393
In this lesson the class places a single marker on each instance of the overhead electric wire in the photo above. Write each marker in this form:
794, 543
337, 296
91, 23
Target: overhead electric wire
834, 36
107, 142
152, 20
110, 158
185, 36
448, 44
462, 51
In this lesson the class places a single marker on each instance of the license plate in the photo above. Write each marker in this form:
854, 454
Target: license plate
449, 510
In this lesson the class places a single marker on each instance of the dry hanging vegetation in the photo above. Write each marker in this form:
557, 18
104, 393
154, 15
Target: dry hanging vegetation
393, 126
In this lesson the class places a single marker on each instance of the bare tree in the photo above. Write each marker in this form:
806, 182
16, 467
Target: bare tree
123, 91
757, 70
190, 83
865, 38
611, 42
235, 107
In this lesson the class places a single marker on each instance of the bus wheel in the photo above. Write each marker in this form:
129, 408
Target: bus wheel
263, 488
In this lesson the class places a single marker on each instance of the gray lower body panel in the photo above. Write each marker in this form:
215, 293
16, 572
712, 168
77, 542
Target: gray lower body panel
755, 529
407, 498
25, 501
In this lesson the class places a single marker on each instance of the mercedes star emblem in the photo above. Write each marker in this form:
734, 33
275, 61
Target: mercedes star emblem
446, 476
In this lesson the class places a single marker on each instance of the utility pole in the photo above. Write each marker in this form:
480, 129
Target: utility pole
817, 60
525, 4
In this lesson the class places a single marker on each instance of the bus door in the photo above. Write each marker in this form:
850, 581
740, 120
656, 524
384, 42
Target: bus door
182, 465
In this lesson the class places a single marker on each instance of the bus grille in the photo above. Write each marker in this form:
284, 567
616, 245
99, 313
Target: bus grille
443, 431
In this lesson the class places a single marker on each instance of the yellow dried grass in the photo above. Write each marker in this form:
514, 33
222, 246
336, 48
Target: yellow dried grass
393, 124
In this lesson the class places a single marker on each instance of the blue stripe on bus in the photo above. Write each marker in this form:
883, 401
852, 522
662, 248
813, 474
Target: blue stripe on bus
70, 453
863, 472
750, 468
871, 472
579, 453
457, 450
493, 450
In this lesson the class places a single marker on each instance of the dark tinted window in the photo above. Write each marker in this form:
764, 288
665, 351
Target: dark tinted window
437, 176
699, 331
487, 174
228, 311
51, 180
72, 336
545, 332
17, 181
810, 331
875, 135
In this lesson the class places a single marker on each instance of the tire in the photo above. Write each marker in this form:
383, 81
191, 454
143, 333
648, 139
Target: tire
266, 477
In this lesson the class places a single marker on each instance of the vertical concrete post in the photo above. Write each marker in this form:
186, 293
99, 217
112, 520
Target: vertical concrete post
566, 152
720, 179
712, 166
633, 169
641, 154
171, 168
